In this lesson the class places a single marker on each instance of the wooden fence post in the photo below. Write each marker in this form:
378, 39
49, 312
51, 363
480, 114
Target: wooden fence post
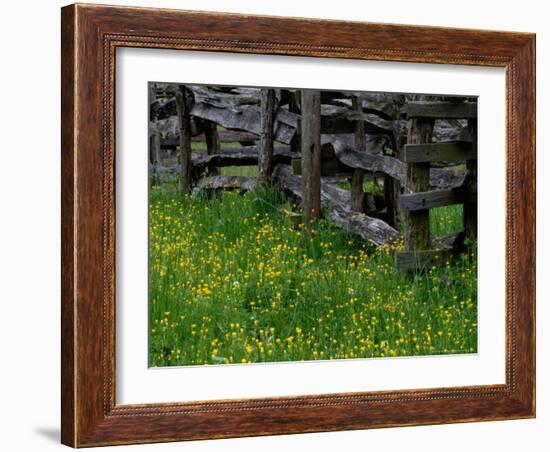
183, 101
265, 154
392, 190
294, 107
311, 154
356, 183
417, 223
154, 142
470, 184
212, 139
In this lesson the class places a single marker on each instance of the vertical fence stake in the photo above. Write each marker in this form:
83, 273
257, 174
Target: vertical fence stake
183, 101
154, 142
356, 183
311, 154
294, 107
392, 190
265, 155
417, 223
212, 139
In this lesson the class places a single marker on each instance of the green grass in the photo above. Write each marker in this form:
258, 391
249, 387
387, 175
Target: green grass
231, 281
248, 171
444, 220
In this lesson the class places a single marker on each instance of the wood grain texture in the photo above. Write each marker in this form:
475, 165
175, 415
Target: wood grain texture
417, 221
91, 34
434, 152
311, 155
265, 156
68, 242
225, 136
213, 145
440, 110
435, 198
183, 106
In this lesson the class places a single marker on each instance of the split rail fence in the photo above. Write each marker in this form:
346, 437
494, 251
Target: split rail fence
418, 154
309, 142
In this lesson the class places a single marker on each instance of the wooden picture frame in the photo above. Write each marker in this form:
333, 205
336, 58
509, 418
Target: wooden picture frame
90, 36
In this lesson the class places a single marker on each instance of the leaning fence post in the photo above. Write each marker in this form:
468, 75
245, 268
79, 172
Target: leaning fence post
265, 155
417, 223
183, 106
311, 154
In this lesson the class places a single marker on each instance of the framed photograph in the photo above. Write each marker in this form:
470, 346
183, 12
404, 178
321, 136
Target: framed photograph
280, 225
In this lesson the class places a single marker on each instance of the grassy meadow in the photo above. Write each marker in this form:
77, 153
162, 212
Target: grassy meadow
233, 281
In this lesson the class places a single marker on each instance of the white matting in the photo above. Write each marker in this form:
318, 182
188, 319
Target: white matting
138, 384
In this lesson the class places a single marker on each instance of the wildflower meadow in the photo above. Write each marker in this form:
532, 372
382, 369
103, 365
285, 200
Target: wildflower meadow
234, 280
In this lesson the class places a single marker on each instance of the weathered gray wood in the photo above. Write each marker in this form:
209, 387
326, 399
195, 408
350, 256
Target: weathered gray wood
387, 106
155, 158
341, 147
470, 184
444, 130
344, 150
184, 105
436, 198
330, 167
453, 241
225, 98
376, 231
265, 155
441, 110
451, 130
294, 107
242, 156
335, 120
212, 139
247, 118
336, 201
356, 182
327, 97
311, 154
421, 259
392, 188
433, 152
392, 191
218, 183
417, 222
442, 178
163, 107
392, 167
166, 106
292, 185
226, 136
154, 142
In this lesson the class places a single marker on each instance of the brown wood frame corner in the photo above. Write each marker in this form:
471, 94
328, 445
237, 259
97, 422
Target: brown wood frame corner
90, 36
